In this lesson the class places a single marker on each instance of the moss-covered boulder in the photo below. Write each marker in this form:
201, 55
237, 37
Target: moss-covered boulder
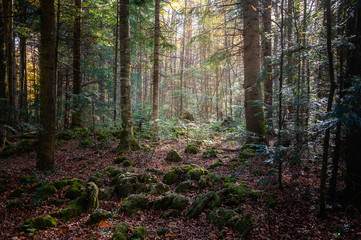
211, 152
232, 195
192, 149
209, 180
195, 173
134, 203
40, 223
92, 200
124, 231
233, 219
173, 156
172, 201
182, 187
97, 216
218, 163
132, 144
74, 190
171, 213
119, 159
127, 163
172, 176
246, 153
114, 171
97, 178
208, 200
45, 191
106, 193
155, 171
157, 188
130, 183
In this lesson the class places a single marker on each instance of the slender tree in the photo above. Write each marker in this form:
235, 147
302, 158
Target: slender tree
156, 65
46, 145
116, 64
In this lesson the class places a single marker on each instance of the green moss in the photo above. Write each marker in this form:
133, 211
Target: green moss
134, 203
254, 195
155, 171
130, 183
92, 200
114, 171
209, 200
40, 223
157, 188
46, 191
123, 231
211, 152
171, 200
172, 176
182, 187
97, 216
96, 178
218, 163
119, 159
210, 179
232, 195
192, 149
74, 190
127, 163
271, 201
66, 136
246, 153
173, 156
85, 143
106, 194
171, 213
139, 233
134, 145
58, 202
195, 173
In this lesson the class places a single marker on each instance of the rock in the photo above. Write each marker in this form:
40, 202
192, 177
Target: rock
210, 152
119, 159
74, 190
123, 231
106, 194
232, 195
62, 183
129, 183
40, 223
97, 179
172, 176
232, 219
157, 188
171, 200
182, 187
127, 163
92, 200
192, 149
134, 203
46, 191
209, 200
97, 216
246, 153
209, 179
195, 173
114, 171
173, 156
155, 171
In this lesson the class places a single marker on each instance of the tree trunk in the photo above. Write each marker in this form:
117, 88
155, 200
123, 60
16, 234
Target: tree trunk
125, 88
116, 65
46, 145
156, 67
9, 42
251, 60
267, 65
77, 115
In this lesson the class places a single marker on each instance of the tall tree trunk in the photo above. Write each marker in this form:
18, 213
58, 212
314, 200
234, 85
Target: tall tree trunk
251, 61
156, 66
9, 43
116, 65
59, 90
125, 88
326, 141
46, 145
23, 78
77, 115
267, 65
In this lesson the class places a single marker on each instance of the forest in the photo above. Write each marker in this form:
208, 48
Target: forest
180, 119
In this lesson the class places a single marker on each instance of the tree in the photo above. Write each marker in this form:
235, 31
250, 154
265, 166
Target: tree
156, 65
76, 118
251, 61
46, 145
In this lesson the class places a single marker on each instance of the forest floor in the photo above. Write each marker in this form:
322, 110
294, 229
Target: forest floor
292, 216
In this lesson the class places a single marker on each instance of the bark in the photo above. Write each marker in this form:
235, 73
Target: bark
125, 88
23, 78
156, 67
116, 65
46, 145
251, 60
77, 115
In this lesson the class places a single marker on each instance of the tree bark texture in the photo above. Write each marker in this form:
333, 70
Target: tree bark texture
156, 65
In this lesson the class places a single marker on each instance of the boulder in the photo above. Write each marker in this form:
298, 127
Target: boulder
134, 203
40, 223
173, 156
123, 231
172, 201
97, 216
208, 200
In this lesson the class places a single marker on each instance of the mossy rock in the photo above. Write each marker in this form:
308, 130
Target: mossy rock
127, 163
46, 191
97, 178
182, 187
114, 171
58, 202
124, 231
208, 200
172, 176
119, 159
211, 152
97, 216
195, 173
209, 180
157, 188
173, 156
232, 195
40, 223
128, 183
271, 201
218, 163
155, 171
134, 203
192, 149
134, 145
106, 193
172, 201
92, 200
171, 213
233, 219
246, 153
74, 190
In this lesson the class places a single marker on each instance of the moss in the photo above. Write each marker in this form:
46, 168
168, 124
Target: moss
28, 179
192, 149
106, 194
46, 191
232, 195
139, 233
246, 153
123, 231
85, 143
18, 192
171, 200
134, 203
40, 223
271, 201
97, 216
134, 145
195, 173
119, 159
254, 195
66, 136
218, 163
96, 178
74, 209
171, 213
114, 171
173, 156
210, 152
210, 179
127, 163
74, 190
60, 184
209, 200
232, 219
128, 183
182, 187
92, 200
172, 176
58, 202
155, 171
157, 188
